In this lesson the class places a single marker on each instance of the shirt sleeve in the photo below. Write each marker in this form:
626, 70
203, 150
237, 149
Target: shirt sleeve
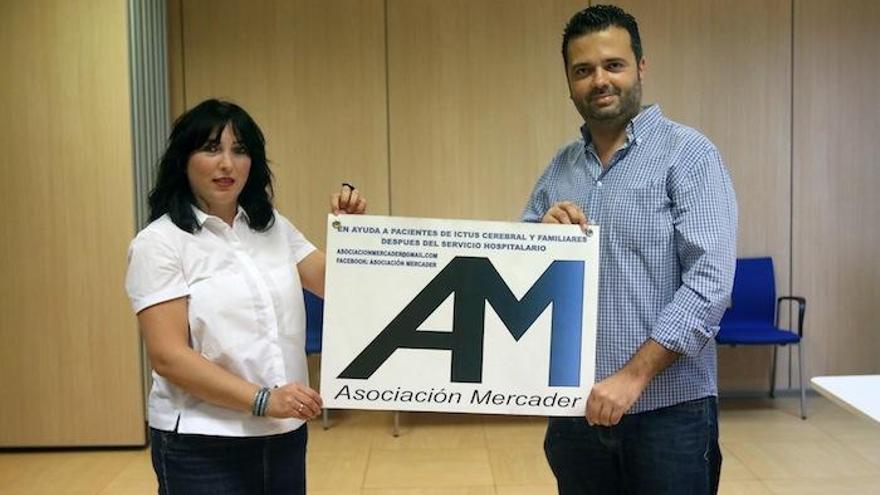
537, 204
155, 273
299, 246
704, 215
539, 201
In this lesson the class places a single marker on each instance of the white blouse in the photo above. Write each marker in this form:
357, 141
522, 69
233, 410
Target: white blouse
245, 308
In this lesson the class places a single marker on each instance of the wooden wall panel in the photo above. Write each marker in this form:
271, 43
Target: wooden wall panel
69, 359
478, 103
836, 178
176, 89
724, 67
312, 74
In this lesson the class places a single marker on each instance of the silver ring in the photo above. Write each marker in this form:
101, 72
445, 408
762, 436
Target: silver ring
300, 407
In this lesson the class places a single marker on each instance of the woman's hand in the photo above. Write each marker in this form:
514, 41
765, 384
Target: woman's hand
347, 200
294, 400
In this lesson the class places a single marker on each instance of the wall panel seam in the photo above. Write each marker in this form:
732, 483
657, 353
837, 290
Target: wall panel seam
388, 110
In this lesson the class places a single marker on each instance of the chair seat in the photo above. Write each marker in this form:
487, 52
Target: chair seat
757, 333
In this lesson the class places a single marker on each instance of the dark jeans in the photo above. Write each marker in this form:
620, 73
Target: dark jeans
673, 450
203, 464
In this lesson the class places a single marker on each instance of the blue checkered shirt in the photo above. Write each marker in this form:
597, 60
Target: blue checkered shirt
667, 215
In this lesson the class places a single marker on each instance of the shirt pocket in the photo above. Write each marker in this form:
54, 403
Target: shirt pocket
287, 296
641, 217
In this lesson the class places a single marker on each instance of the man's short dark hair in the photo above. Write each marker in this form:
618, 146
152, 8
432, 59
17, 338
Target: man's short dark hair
599, 18
202, 124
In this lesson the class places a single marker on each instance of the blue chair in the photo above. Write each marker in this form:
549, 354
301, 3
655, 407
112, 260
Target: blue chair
753, 317
314, 331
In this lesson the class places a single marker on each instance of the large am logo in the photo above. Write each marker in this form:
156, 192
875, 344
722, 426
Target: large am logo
475, 282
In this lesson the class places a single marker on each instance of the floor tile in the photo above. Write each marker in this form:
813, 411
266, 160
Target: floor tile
527, 490
428, 468
733, 469
520, 466
833, 486
337, 491
866, 446
465, 490
741, 487
766, 425
436, 431
806, 460
348, 431
137, 478
514, 432
337, 469
71, 473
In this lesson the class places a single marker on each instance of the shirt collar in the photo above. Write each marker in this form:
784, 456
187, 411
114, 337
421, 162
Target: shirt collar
202, 217
637, 128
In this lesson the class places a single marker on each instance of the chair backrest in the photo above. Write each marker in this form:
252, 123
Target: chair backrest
754, 292
314, 322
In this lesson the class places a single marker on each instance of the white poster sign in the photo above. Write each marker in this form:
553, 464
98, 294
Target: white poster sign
459, 316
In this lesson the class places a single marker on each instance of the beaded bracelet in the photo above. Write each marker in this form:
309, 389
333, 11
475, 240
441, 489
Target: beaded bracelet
261, 402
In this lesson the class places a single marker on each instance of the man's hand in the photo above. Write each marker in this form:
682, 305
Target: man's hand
565, 212
611, 398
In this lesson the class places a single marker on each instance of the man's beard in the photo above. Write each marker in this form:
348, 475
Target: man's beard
629, 104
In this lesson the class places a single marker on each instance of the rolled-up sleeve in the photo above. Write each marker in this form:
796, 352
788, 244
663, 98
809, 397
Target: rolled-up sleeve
299, 246
154, 272
705, 217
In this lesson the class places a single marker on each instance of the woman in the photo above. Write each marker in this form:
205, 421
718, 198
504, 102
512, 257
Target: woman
216, 281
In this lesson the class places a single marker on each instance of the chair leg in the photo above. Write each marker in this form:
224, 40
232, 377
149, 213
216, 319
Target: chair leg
773, 373
325, 414
395, 428
801, 377
789, 367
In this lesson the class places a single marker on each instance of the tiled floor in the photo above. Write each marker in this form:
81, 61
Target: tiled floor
767, 449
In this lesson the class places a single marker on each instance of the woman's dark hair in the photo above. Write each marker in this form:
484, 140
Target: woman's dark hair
192, 130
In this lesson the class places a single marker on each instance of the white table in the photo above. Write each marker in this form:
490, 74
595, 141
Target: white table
858, 393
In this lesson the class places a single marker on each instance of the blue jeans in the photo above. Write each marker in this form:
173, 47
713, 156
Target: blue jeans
673, 450
204, 464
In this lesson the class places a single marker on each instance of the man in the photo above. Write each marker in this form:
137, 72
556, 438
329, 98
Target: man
667, 216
